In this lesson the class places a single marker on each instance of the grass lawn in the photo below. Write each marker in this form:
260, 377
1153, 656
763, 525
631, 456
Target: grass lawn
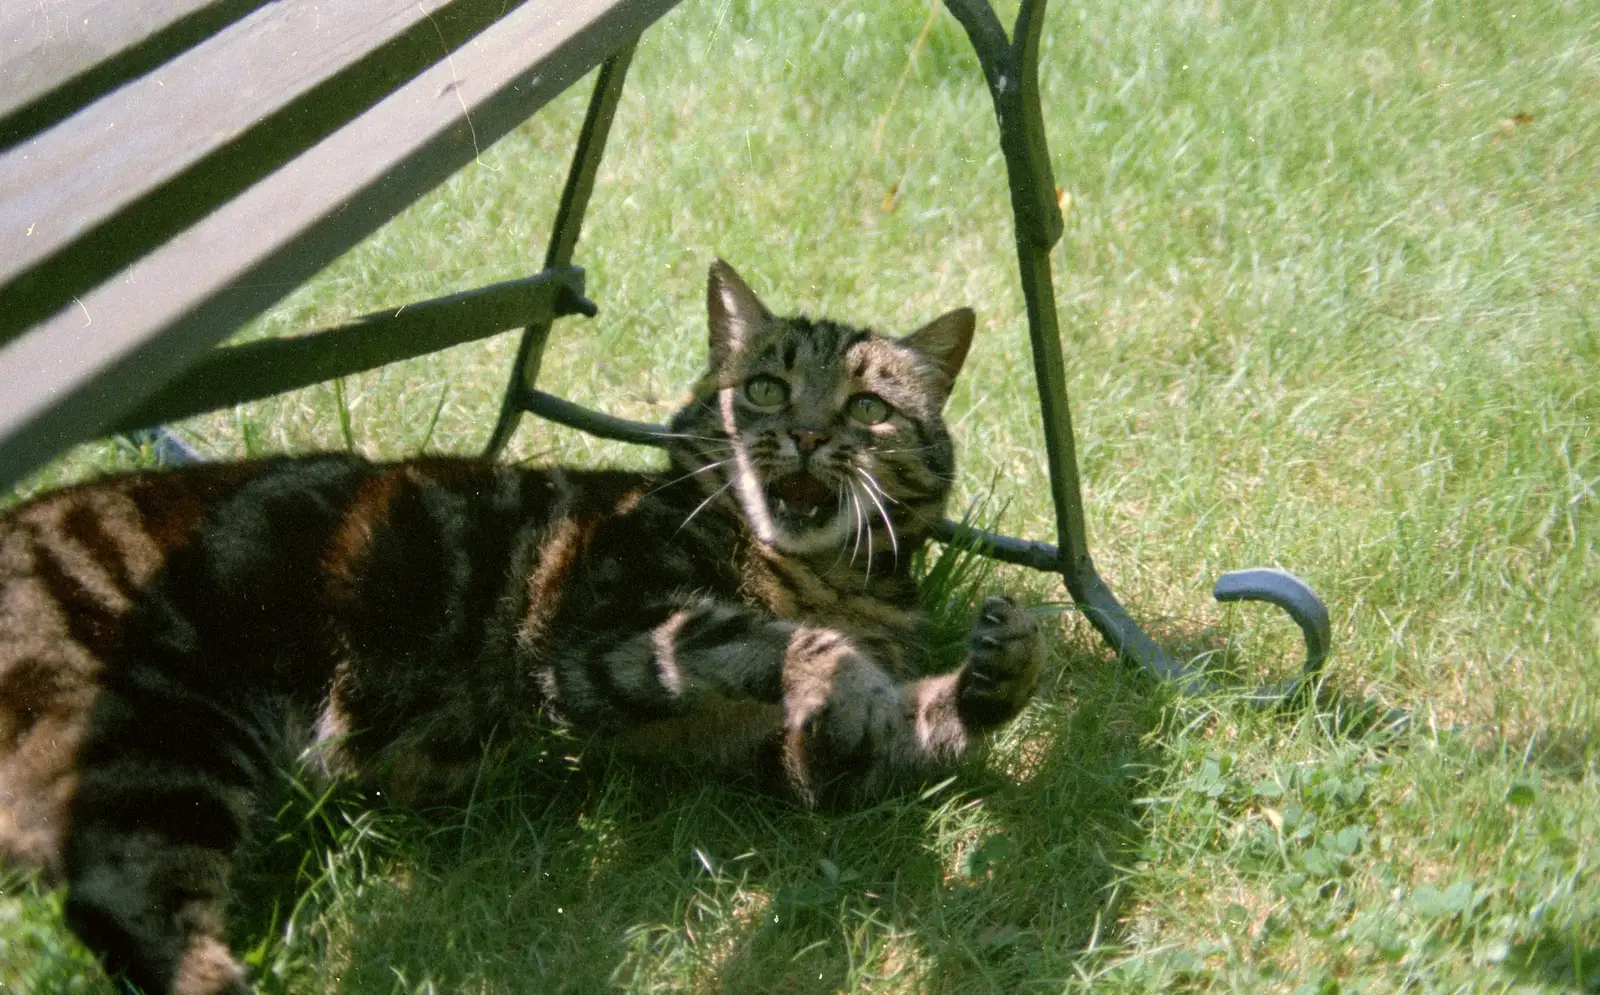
1329, 293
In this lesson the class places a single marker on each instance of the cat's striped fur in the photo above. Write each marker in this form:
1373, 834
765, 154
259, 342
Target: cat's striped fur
165, 639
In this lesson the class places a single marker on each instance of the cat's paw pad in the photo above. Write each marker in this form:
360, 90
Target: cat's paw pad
1004, 662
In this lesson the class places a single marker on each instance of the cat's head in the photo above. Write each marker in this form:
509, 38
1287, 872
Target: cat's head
823, 437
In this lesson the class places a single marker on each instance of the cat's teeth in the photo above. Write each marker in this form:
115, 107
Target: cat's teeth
783, 506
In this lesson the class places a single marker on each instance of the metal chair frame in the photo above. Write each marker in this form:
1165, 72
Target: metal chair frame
1010, 67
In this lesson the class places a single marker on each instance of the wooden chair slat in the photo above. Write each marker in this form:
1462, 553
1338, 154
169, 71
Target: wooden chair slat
85, 197
56, 57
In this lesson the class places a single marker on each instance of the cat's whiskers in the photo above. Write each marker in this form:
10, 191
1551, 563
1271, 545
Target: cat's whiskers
866, 521
873, 483
713, 447
856, 509
863, 524
838, 512
906, 449
691, 438
692, 473
701, 507
866, 479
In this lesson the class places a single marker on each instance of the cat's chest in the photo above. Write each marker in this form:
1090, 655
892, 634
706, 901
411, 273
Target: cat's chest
880, 615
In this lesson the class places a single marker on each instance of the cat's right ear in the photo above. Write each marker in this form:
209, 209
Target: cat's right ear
735, 313
945, 341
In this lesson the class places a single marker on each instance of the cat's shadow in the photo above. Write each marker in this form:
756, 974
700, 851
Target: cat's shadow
564, 874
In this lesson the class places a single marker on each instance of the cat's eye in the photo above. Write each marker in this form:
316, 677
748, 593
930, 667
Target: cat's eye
869, 409
767, 392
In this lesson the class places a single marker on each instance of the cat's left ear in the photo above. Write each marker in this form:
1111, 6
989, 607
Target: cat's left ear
735, 314
945, 340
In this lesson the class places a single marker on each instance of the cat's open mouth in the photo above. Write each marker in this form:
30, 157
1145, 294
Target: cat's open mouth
801, 499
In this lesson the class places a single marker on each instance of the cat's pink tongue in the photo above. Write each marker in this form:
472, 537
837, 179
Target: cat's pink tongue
801, 493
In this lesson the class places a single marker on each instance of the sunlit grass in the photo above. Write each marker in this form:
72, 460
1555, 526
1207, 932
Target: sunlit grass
1328, 291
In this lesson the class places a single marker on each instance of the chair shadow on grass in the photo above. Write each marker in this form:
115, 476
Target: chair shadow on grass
567, 874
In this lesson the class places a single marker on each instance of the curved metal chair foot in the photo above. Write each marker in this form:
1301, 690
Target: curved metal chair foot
1295, 596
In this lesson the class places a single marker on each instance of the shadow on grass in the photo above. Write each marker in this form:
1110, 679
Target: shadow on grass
1555, 958
564, 876
568, 874
1267, 678
1002, 882
1571, 754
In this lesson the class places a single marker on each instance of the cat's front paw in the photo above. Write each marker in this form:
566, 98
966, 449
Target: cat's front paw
1003, 665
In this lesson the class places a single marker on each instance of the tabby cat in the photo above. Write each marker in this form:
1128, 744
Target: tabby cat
167, 638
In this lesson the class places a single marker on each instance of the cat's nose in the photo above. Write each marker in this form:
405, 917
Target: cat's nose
807, 439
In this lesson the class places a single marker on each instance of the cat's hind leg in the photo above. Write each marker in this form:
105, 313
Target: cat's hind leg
153, 910
167, 784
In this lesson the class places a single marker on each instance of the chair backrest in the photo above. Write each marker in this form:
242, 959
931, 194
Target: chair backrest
170, 169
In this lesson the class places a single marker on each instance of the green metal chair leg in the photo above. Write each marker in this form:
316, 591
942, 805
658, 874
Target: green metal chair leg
1011, 68
564, 236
